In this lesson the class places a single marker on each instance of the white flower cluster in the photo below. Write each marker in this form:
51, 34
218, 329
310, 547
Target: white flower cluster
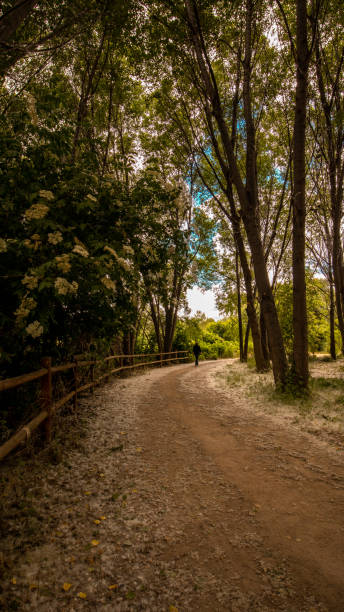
63, 263
27, 304
47, 195
30, 282
80, 250
124, 263
120, 260
35, 329
3, 245
63, 287
108, 283
55, 237
36, 211
128, 250
36, 242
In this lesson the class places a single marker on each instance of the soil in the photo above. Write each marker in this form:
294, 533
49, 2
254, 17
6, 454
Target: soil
185, 489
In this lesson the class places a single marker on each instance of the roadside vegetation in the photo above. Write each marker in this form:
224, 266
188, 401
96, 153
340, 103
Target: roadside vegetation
320, 412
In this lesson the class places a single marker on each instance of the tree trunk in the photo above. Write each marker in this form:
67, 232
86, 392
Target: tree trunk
337, 257
247, 337
332, 336
264, 337
237, 274
300, 339
261, 364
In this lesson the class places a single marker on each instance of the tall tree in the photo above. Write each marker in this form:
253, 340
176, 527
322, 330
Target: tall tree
300, 344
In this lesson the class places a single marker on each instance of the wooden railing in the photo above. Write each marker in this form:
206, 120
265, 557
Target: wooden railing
46, 374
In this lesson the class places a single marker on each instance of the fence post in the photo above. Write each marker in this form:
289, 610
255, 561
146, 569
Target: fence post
46, 396
160, 356
76, 382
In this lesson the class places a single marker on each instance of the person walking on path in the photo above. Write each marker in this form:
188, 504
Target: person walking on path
196, 351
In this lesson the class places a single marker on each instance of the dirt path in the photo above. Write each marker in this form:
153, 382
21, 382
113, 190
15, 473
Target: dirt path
180, 497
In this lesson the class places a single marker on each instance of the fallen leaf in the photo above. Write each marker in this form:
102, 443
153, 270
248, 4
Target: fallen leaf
113, 586
94, 542
71, 560
173, 609
82, 595
66, 586
101, 475
139, 449
33, 586
87, 492
298, 540
103, 518
134, 490
97, 521
14, 580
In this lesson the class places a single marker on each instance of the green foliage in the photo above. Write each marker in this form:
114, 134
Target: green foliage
216, 339
317, 310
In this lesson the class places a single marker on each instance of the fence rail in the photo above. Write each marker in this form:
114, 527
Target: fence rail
46, 374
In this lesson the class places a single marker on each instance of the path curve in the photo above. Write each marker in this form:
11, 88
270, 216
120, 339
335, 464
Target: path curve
179, 498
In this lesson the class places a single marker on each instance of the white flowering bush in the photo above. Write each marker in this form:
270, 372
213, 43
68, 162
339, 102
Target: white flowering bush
55, 237
30, 282
35, 329
63, 287
36, 211
47, 195
26, 306
108, 283
80, 250
63, 262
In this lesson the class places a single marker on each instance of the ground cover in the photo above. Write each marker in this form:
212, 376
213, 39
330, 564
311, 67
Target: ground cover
179, 491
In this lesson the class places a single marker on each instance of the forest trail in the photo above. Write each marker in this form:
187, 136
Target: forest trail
180, 497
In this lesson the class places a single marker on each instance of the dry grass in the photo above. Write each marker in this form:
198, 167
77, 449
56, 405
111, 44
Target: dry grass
320, 413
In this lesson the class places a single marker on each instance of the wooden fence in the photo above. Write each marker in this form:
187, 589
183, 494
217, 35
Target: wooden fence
46, 393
